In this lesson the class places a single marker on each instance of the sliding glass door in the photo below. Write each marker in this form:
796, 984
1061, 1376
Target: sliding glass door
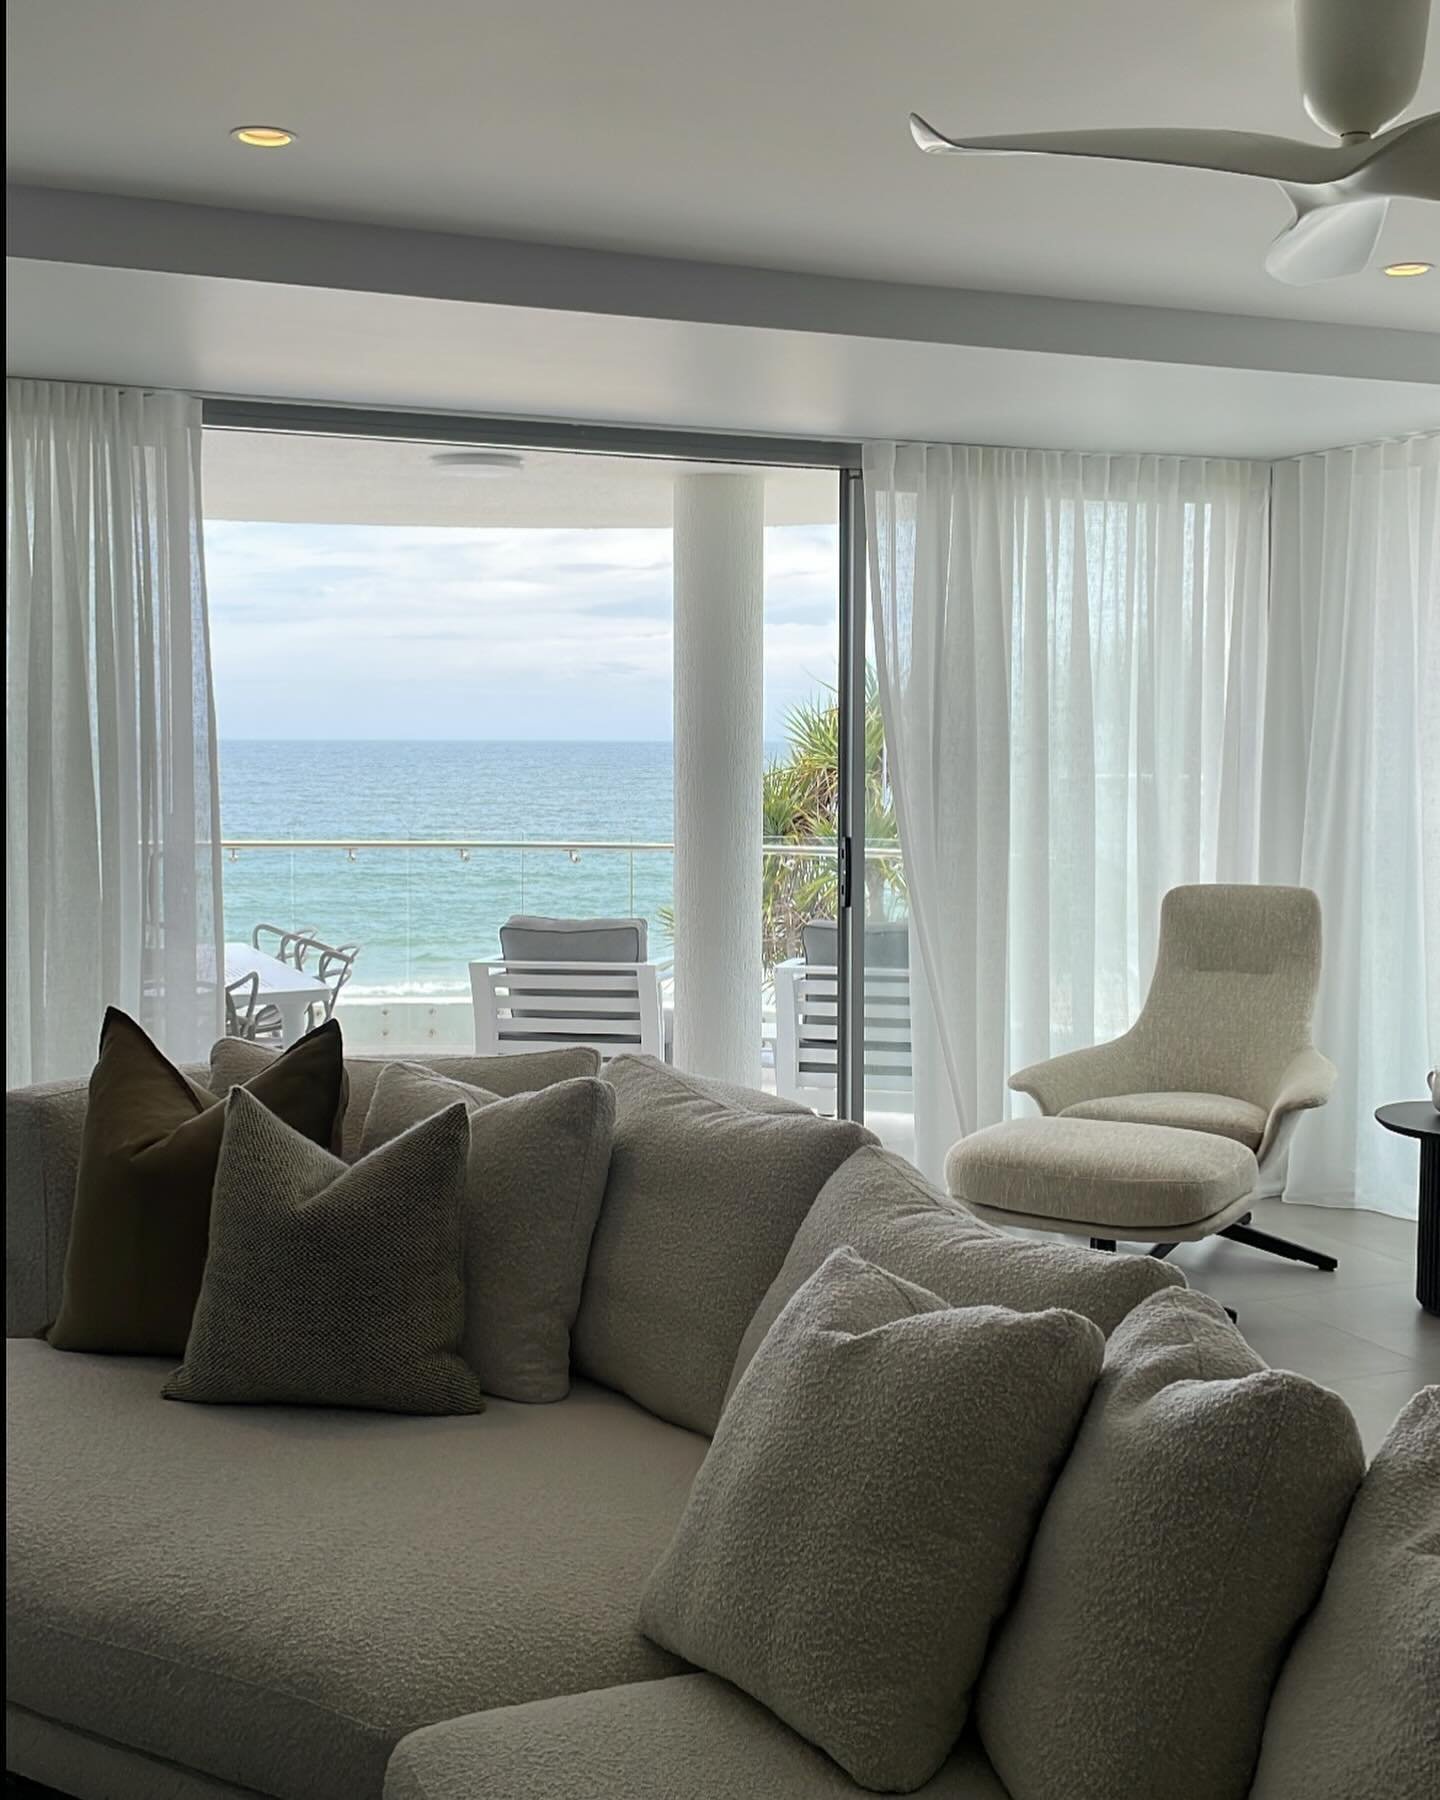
452, 695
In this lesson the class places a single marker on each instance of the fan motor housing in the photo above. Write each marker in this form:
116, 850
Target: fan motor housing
1360, 61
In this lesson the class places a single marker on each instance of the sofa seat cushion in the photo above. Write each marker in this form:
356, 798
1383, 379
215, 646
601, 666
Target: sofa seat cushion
1099, 1173
1221, 1114
693, 1737
275, 1596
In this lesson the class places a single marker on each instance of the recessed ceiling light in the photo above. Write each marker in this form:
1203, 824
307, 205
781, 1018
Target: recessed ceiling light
1410, 268
263, 137
479, 462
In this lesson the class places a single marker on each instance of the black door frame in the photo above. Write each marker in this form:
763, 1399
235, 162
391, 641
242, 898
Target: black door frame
234, 414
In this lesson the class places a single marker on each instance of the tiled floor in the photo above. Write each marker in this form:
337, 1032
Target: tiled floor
1358, 1330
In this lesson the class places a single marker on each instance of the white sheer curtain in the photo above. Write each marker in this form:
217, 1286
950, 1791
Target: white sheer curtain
111, 793
1351, 789
1071, 661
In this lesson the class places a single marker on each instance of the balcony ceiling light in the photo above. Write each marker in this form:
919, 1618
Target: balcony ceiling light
263, 137
1408, 268
479, 462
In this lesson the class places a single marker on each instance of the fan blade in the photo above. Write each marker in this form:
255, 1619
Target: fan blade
1403, 163
1230, 152
1326, 242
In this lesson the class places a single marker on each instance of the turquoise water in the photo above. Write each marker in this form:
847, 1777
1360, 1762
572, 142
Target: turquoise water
420, 916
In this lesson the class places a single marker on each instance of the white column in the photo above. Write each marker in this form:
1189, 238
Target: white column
719, 758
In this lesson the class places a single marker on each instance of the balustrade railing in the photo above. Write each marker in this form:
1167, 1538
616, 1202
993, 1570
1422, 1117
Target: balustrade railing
422, 908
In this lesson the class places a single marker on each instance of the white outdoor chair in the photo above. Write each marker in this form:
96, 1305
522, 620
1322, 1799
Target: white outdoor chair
807, 993
241, 999
569, 981
524, 1006
332, 964
288, 946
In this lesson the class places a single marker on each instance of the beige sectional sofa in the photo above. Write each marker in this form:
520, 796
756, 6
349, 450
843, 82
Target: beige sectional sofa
209, 1602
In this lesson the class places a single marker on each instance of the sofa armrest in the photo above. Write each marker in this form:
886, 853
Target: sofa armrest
1308, 1081
689, 1737
1078, 1075
43, 1127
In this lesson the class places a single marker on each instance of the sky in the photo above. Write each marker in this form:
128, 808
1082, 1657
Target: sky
375, 631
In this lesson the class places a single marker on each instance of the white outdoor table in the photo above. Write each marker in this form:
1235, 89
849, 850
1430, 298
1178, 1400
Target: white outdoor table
289, 990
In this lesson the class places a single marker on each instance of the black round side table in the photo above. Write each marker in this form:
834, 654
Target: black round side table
1419, 1119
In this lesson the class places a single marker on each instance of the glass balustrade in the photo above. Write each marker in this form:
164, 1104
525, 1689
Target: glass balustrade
421, 911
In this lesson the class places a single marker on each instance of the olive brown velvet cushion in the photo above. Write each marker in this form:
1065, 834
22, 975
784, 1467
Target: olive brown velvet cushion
707, 1187
855, 1531
235, 1060
535, 1178
886, 1211
1356, 1712
331, 1284
148, 1152
1187, 1537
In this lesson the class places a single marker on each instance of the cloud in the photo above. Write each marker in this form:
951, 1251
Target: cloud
334, 631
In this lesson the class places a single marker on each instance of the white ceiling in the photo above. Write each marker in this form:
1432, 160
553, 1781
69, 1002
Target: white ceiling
762, 132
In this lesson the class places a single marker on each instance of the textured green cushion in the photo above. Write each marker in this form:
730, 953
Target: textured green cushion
1356, 1712
234, 1060
707, 1187
1186, 1539
535, 1179
330, 1284
886, 1211
866, 1505
148, 1153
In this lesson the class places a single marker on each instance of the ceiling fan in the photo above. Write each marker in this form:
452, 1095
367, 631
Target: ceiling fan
1360, 64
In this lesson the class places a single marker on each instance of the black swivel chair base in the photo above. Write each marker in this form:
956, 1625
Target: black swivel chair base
1243, 1232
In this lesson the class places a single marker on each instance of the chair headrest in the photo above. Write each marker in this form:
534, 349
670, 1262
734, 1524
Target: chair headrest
529, 937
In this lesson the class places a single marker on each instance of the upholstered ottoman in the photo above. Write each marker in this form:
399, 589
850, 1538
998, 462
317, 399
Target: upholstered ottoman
1102, 1180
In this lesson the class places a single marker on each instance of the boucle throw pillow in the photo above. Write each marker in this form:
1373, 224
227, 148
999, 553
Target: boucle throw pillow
1356, 1712
704, 1195
333, 1285
1186, 1539
535, 1178
148, 1151
886, 1211
864, 1510
234, 1060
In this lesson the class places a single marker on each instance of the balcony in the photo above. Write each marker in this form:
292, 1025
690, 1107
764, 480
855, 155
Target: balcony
423, 909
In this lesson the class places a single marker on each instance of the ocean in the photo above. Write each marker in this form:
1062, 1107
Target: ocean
421, 916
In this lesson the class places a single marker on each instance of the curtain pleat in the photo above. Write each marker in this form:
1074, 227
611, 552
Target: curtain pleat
112, 791
1102, 676
1070, 660
1350, 793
